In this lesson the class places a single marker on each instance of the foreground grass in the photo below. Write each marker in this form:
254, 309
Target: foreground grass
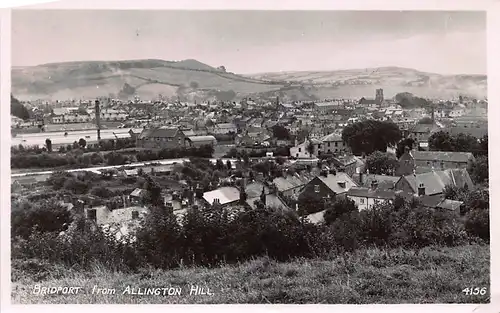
430, 275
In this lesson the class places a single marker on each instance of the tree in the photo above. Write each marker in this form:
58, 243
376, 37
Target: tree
280, 132
441, 141
48, 144
403, 144
18, 109
483, 146
82, 143
194, 85
465, 143
310, 148
381, 163
340, 207
478, 169
371, 135
222, 68
219, 165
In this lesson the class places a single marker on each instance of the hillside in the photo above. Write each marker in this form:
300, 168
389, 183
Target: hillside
126, 79
358, 83
191, 80
430, 275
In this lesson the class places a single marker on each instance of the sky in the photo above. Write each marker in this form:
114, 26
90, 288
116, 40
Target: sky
248, 42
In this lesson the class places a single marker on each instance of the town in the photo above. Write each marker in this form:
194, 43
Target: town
297, 157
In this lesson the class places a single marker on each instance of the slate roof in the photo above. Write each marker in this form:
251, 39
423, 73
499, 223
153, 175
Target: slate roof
271, 201
332, 181
291, 181
224, 194
436, 181
371, 193
384, 181
254, 189
438, 201
161, 132
446, 156
201, 138
332, 137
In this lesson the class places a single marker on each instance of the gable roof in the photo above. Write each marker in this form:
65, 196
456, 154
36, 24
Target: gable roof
291, 181
446, 156
332, 182
224, 194
332, 137
435, 181
384, 181
162, 132
371, 193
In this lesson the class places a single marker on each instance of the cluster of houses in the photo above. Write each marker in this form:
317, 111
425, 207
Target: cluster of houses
421, 174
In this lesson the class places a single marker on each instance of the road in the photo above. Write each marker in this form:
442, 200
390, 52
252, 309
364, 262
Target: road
91, 169
58, 138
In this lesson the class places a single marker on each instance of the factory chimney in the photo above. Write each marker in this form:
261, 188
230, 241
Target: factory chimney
98, 119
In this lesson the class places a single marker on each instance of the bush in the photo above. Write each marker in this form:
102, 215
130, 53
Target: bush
46, 216
477, 223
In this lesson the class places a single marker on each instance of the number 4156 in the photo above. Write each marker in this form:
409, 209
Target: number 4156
469, 291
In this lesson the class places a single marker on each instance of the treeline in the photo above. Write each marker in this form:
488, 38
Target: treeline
80, 157
213, 236
443, 141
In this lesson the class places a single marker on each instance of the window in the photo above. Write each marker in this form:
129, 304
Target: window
336, 144
316, 188
328, 145
362, 201
300, 149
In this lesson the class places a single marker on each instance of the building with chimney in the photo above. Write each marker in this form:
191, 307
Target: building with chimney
434, 182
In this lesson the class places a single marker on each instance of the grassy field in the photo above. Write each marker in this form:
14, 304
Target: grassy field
430, 275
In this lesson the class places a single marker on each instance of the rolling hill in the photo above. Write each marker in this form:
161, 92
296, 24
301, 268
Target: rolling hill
126, 79
193, 80
363, 82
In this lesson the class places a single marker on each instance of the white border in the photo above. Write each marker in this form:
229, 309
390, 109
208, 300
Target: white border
494, 111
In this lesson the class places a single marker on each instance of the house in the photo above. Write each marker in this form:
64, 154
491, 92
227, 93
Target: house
291, 185
366, 198
113, 115
198, 141
346, 163
301, 151
161, 137
383, 182
224, 129
224, 196
422, 132
437, 160
434, 182
328, 185
325, 107
370, 103
333, 143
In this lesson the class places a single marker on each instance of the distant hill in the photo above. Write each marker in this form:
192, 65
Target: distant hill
194, 80
363, 82
126, 79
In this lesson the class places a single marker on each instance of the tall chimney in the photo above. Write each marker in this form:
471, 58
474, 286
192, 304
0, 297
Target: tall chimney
98, 119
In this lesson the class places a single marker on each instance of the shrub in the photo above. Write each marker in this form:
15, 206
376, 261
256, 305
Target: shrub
45, 216
477, 223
